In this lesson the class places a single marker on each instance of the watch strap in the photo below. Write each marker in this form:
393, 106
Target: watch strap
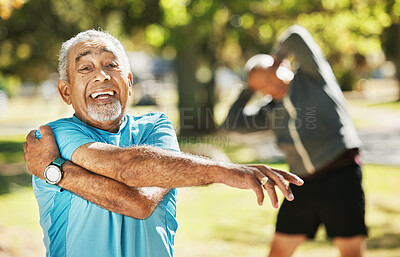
59, 162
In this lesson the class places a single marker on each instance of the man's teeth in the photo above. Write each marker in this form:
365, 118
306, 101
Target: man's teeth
103, 94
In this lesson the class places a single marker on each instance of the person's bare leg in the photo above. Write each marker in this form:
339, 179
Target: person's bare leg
283, 245
351, 246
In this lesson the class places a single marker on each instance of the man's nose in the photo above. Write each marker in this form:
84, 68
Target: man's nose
101, 76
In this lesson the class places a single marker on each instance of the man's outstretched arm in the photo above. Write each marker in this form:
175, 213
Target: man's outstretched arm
110, 194
151, 166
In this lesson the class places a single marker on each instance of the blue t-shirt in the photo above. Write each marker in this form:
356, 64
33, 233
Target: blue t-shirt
75, 227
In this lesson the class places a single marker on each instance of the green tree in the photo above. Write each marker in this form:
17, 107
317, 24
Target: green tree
200, 35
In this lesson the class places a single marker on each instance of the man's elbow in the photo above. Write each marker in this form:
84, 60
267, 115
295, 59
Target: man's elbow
142, 212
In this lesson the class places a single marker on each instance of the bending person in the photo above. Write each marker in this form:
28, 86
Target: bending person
308, 116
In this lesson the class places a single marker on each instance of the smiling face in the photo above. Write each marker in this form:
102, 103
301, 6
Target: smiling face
98, 86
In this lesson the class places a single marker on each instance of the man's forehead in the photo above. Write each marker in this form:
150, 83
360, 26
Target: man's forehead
96, 45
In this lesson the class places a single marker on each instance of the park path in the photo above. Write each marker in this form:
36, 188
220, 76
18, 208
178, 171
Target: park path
378, 128
381, 139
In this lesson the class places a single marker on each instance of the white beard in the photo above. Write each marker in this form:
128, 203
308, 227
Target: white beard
105, 112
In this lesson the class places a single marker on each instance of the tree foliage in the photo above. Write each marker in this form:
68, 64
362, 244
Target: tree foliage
232, 30
200, 34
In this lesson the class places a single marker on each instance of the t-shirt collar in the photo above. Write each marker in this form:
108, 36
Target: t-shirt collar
121, 127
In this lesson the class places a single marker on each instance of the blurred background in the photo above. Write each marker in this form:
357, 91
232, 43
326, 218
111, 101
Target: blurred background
187, 57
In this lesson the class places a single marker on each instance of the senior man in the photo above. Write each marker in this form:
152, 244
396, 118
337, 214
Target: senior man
110, 176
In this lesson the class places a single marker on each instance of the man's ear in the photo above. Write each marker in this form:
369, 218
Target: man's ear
130, 83
63, 89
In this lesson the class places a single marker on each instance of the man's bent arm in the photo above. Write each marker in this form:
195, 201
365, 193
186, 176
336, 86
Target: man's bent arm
297, 40
105, 192
238, 119
112, 195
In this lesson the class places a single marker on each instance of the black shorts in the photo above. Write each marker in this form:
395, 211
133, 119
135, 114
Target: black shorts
335, 199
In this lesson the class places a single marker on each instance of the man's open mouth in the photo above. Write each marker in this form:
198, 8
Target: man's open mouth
102, 95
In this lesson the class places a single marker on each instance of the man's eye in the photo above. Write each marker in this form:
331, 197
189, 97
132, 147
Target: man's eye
84, 69
112, 65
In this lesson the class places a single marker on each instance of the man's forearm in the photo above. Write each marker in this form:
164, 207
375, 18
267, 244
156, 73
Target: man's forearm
147, 166
238, 119
110, 194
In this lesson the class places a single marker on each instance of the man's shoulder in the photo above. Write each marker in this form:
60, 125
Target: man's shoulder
154, 129
71, 133
64, 122
71, 124
149, 119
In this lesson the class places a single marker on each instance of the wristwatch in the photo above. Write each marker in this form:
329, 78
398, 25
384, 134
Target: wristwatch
53, 173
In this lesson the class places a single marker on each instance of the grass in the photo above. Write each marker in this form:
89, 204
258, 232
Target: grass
385, 105
368, 115
11, 150
219, 221
229, 222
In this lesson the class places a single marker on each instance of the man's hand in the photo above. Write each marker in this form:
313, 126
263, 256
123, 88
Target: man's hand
278, 178
40, 152
257, 177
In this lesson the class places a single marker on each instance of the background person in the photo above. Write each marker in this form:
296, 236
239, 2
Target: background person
309, 119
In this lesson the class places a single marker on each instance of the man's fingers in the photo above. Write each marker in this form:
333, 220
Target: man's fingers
270, 187
31, 135
278, 180
287, 192
264, 180
46, 131
257, 188
260, 194
290, 177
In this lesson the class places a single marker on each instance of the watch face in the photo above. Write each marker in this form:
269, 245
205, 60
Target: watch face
52, 174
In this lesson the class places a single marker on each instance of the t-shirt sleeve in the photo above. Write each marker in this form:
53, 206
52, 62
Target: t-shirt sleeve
163, 135
69, 137
298, 41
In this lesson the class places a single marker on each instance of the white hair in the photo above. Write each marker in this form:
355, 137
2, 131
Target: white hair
86, 36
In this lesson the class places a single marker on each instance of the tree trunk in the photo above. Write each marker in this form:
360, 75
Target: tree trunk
397, 58
195, 98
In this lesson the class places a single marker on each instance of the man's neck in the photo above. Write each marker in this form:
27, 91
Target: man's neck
109, 126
